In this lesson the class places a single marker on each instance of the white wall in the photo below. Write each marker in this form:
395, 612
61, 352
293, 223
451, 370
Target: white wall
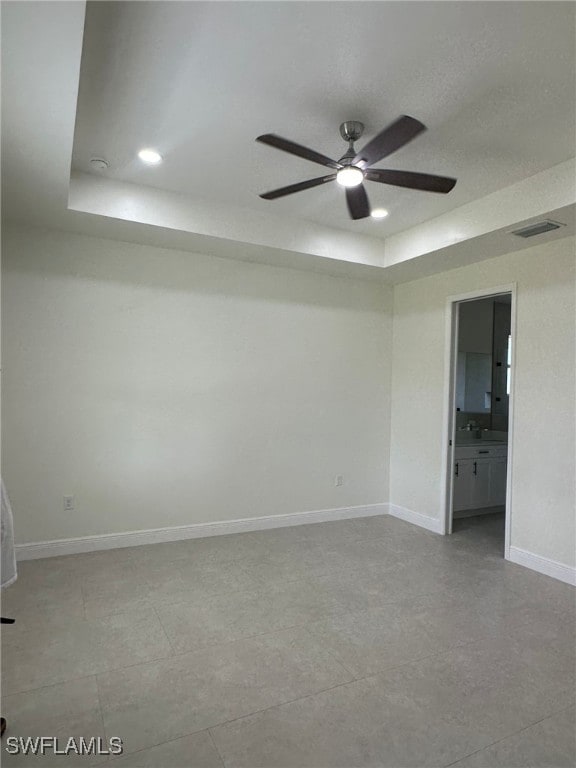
543, 493
165, 388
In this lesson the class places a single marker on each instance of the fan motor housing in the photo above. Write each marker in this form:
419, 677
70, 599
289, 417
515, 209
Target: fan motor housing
351, 130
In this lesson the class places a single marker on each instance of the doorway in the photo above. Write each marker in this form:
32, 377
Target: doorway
479, 410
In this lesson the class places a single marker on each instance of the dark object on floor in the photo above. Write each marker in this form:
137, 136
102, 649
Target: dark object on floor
3, 719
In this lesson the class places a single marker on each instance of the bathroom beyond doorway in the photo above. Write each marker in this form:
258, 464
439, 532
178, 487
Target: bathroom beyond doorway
481, 350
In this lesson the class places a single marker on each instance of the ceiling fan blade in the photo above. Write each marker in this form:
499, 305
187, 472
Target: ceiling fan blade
297, 187
297, 149
357, 200
423, 181
389, 140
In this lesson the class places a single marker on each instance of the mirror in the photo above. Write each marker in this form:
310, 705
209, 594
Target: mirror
483, 362
474, 382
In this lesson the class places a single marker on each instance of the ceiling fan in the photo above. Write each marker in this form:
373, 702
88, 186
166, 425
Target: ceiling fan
355, 167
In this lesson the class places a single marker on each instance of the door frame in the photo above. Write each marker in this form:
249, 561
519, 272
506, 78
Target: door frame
449, 421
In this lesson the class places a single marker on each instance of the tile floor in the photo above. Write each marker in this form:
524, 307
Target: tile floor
363, 642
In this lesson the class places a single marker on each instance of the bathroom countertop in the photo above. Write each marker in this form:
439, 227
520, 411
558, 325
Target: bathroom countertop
475, 441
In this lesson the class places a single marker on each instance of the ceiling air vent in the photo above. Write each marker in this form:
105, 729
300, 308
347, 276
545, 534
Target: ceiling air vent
538, 229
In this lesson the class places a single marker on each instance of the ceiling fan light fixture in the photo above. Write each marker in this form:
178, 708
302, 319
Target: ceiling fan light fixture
379, 213
150, 156
355, 167
350, 176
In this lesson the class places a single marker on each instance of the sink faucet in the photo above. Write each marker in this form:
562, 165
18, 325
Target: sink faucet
473, 427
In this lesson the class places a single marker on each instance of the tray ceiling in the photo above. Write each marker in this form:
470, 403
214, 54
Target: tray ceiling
494, 82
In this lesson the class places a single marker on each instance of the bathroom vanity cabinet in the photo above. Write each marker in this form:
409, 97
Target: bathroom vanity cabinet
479, 476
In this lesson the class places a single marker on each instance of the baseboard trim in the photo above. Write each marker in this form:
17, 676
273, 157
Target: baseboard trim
416, 518
39, 549
543, 565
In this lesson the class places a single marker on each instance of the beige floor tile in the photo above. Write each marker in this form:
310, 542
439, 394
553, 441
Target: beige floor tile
115, 590
374, 586
367, 642
196, 751
492, 687
551, 743
167, 699
34, 605
185, 580
310, 561
78, 648
463, 649
63, 711
346, 727
427, 713
223, 618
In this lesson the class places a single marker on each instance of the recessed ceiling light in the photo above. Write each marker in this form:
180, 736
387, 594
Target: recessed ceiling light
379, 213
150, 156
349, 176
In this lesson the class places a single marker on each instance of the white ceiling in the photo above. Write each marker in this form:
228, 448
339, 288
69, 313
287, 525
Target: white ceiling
493, 81
41, 50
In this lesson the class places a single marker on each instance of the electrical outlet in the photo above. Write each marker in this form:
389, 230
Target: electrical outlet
339, 480
68, 503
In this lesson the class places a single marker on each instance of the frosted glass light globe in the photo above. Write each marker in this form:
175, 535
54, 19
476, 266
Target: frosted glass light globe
350, 176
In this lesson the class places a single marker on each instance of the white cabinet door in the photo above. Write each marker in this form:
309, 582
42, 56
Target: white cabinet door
497, 482
463, 485
481, 483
